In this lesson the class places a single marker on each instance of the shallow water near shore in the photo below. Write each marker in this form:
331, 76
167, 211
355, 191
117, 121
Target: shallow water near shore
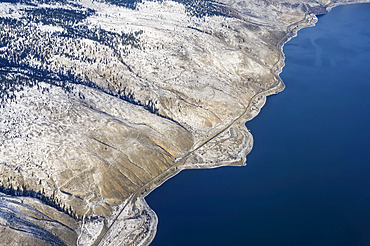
308, 176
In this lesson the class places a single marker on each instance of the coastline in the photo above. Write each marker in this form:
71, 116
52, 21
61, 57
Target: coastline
254, 106
246, 116
143, 92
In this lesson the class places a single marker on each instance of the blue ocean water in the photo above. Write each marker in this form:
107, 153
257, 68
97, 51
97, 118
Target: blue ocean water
308, 177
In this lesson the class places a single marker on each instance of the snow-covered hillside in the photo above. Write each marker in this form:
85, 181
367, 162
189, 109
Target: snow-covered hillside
102, 101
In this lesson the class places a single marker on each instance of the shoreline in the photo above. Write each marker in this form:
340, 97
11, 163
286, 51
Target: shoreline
88, 143
258, 101
279, 87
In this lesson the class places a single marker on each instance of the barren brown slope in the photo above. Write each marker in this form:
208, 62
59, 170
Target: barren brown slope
97, 111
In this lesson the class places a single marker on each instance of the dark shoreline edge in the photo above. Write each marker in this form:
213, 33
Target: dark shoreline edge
310, 20
138, 198
258, 101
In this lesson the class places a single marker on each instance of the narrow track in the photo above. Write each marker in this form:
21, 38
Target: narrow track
277, 87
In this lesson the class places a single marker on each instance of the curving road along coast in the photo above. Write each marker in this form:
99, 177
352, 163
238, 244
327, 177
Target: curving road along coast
103, 101
252, 109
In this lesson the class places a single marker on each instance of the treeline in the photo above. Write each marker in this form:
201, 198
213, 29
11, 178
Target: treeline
29, 61
197, 8
57, 16
110, 39
17, 71
32, 2
40, 195
130, 4
205, 8
15, 79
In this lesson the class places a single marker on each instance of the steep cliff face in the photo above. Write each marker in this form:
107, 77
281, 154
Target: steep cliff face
101, 101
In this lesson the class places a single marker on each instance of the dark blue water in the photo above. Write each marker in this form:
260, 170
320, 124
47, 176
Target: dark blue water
308, 177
